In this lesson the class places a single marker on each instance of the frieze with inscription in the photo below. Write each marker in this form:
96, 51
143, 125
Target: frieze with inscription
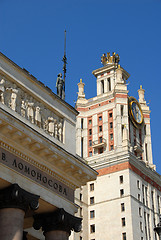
35, 174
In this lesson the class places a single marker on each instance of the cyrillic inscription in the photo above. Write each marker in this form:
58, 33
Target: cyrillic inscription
32, 172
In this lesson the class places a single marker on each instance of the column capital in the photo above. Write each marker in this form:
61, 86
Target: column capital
16, 197
57, 220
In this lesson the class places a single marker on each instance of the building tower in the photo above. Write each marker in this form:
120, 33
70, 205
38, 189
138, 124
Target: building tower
114, 137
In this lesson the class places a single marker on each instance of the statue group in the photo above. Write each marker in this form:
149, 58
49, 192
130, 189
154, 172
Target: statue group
30, 108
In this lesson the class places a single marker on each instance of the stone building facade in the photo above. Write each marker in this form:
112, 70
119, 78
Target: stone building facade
114, 136
39, 168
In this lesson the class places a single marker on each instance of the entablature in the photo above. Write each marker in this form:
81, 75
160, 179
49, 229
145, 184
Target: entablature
42, 152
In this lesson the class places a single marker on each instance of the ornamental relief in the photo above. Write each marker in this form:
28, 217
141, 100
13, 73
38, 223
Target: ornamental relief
29, 108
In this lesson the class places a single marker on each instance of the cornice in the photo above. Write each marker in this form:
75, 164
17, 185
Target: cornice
39, 147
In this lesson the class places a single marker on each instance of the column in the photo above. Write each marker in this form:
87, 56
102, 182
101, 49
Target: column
57, 225
14, 203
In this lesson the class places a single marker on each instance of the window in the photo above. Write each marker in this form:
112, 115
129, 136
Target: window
82, 123
122, 207
102, 86
81, 212
90, 121
100, 140
111, 147
91, 200
138, 184
110, 115
111, 136
143, 193
109, 84
122, 110
80, 196
92, 187
100, 128
90, 153
121, 192
100, 150
111, 125
139, 197
158, 201
141, 226
90, 143
82, 147
92, 214
152, 199
140, 212
124, 236
90, 131
146, 196
123, 222
92, 228
145, 129
100, 118
121, 179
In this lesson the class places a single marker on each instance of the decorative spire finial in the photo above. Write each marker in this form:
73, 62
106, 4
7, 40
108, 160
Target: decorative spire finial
115, 58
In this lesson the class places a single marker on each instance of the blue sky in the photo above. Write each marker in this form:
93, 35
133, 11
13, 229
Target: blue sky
32, 35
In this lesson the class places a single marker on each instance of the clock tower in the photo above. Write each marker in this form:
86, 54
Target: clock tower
114, 137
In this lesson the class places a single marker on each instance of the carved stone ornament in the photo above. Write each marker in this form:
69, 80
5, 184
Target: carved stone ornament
16, 197
28, 107
57, 220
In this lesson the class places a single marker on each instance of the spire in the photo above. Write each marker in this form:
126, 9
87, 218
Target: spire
64, 60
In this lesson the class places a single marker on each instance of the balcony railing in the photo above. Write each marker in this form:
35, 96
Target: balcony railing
99, 143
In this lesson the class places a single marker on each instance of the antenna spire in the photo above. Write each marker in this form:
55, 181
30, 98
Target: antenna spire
64, 60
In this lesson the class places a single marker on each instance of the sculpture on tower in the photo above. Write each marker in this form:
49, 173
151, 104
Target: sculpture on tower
115, 58
60, 85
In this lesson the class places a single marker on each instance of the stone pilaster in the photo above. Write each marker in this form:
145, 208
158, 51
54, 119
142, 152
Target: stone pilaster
14, 202
57, 225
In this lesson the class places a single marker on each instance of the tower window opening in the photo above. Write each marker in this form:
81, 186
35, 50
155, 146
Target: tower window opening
121, 192
124, 236
122, 207
100, 118
92, 187
123, 222
100, 140
90, 121
122, 110
111, 136
111, 125
82, 147
109, 84
92, 228
100, 128
145, 129
100, 150
102, 86
121, 179
146, 151
90, 131
82, 123
91, 200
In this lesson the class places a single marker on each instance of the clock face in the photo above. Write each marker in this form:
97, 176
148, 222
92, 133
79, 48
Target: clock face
135, 112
